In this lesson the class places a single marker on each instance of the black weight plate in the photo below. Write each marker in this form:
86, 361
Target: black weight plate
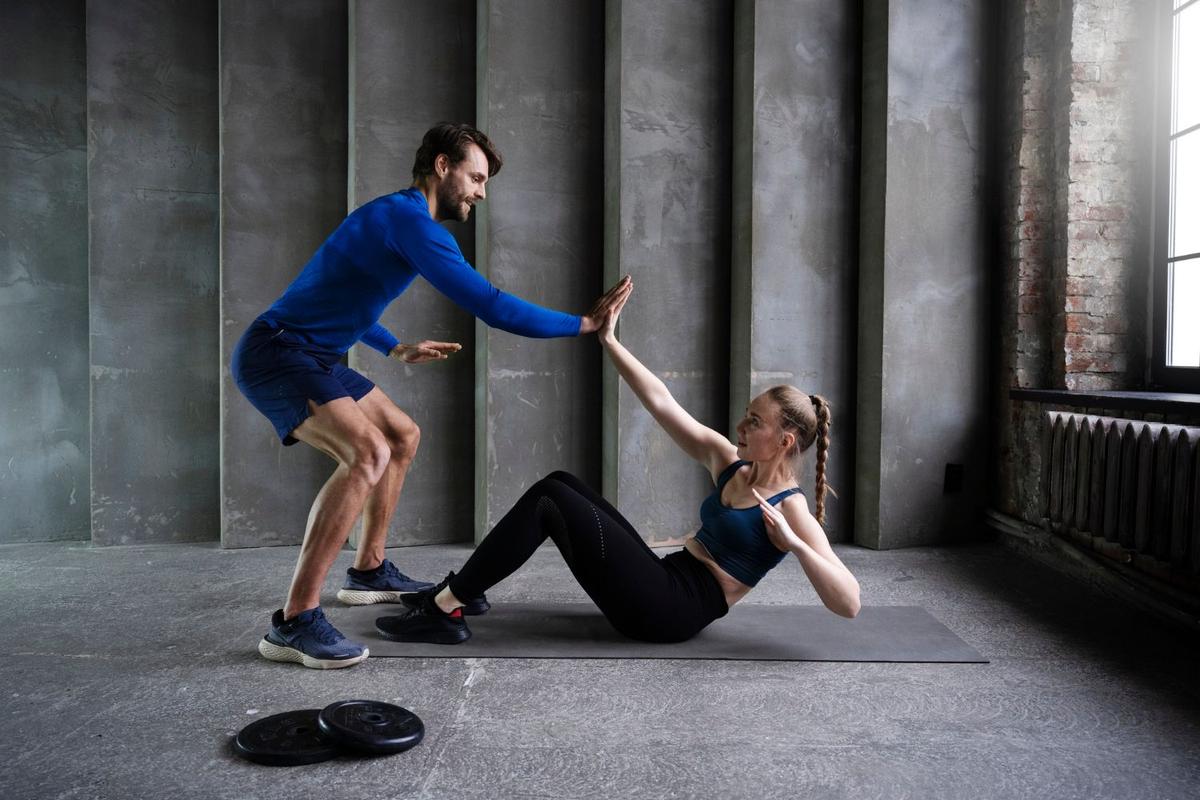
285, 740
368, 726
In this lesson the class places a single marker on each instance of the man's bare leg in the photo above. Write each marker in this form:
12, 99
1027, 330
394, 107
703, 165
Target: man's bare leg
403, 437
341, 430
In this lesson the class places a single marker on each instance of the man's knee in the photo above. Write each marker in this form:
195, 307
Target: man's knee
370, 454
403, 439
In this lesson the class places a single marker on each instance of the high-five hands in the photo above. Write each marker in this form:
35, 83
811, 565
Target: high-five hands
778, 530
424, 352
594, 319
608, 327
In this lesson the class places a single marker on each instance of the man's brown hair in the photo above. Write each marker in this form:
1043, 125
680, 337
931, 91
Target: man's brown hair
452, 138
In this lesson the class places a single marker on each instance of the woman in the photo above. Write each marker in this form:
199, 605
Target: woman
753, 518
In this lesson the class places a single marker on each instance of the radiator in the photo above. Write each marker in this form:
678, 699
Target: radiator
1132, 483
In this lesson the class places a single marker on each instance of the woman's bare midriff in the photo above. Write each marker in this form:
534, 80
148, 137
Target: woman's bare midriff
733, 589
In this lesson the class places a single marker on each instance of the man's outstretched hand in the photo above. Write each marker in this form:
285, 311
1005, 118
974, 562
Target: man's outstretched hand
618, 294
424, 352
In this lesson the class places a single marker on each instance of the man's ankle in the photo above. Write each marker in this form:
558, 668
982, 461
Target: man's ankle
290, 614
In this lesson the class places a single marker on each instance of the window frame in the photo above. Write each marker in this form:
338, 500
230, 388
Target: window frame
1182, 379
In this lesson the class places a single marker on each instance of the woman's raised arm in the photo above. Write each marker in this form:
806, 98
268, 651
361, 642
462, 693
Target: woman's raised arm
701, 443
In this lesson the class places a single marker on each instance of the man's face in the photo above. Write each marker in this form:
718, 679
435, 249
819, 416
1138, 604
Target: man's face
462, 185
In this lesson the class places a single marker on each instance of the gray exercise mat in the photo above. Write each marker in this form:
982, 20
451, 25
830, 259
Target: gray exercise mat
746, 633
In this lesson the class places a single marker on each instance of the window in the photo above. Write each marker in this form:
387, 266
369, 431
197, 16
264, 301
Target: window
1176, 363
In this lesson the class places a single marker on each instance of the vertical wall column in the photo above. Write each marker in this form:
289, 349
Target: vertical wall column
43, 273
389, 113
283, 68
922, 355
152, 197
1032, 106
796, 73
540, 98
668, 98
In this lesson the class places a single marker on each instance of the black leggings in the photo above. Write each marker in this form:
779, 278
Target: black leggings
643, 596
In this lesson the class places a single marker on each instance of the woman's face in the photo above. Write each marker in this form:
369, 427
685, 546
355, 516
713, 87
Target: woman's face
759, 435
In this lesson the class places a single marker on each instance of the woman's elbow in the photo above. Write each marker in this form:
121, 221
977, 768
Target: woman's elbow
850, 605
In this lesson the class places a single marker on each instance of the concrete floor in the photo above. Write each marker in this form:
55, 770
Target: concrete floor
129, 669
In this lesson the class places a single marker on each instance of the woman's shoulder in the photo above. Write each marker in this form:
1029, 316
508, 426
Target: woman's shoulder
796, 502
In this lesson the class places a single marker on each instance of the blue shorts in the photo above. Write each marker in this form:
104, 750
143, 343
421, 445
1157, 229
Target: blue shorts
279, 371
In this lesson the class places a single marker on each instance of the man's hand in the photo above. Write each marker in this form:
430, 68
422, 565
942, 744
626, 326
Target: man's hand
424, 352
594, 319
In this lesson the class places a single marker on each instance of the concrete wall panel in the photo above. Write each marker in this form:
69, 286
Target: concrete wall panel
923, 367
283, 187
389, 113
656, 138
540, 97
669, 108
43, 273
795, 227
152, 198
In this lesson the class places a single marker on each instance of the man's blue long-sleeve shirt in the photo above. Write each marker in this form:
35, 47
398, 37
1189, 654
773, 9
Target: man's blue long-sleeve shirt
372, 257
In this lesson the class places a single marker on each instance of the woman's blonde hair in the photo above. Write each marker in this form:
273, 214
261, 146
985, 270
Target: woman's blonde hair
810, 417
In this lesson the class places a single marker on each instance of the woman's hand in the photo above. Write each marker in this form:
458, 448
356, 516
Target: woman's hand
836, 587
594, 319
778, 530
424, 352
608, 325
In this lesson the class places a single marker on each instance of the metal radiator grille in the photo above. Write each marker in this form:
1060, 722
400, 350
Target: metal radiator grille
1130, 482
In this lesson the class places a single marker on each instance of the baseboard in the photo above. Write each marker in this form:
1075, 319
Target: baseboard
1103, 574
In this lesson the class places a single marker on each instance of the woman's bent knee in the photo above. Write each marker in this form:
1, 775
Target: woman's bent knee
553, 486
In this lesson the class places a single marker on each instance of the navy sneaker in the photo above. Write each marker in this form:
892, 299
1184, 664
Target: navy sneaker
309, 639
472, 607
425, 622
384, 584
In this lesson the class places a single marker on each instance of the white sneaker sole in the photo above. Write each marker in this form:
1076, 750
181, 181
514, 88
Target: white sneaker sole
274, 652
359, 597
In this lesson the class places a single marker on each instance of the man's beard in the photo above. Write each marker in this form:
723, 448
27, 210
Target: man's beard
451, 205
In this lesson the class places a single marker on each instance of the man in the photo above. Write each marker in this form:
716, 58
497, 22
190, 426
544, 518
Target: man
288, 364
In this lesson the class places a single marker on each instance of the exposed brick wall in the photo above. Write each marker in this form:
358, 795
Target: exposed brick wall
1055, 219
1076, 159
1073, 309
1105, 257
1033, 224
1030, 59
1074, 210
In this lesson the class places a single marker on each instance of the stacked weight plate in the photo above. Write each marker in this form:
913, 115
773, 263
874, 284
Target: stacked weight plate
355, 727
